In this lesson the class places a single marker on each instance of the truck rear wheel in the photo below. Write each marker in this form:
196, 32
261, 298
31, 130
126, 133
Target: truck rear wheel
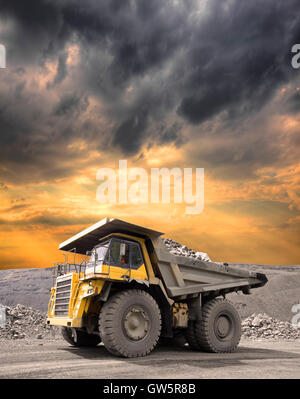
219, 329
130, 323
83, 338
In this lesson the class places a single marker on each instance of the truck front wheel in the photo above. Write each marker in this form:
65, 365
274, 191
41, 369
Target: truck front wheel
219, 327
130, 323
82, 338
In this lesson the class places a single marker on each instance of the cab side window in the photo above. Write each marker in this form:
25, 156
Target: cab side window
136, 256
119, 254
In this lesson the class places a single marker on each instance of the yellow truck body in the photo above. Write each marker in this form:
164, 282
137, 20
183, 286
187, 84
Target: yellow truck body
131, 292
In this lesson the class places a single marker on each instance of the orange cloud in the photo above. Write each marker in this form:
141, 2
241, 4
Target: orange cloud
253, 222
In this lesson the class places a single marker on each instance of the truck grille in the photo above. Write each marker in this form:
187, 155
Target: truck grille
63, 294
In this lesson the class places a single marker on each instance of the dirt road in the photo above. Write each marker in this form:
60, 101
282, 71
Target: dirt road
262, 359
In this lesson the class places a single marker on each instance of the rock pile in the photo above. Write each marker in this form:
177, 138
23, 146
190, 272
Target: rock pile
261, 325
26, 322
182, 250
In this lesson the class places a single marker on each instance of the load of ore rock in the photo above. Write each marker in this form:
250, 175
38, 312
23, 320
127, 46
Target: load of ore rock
182, 250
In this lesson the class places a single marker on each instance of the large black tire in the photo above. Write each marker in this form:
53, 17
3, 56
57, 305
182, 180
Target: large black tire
83, 339
130, 323
219, 329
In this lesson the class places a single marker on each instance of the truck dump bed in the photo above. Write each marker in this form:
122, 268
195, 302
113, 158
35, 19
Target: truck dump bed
180, 275
183, 275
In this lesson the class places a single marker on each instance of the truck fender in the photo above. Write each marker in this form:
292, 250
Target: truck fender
139, 281
104, 294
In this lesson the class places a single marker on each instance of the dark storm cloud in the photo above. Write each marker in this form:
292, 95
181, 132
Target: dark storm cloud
71, 103
38, 29
184, 63
61, 72
238, 58
170, 134
129, 134
135, 37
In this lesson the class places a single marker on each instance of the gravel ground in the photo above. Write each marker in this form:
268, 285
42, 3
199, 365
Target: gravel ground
56, 359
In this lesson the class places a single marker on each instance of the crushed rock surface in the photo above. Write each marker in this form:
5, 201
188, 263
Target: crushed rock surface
261, 325
24, 322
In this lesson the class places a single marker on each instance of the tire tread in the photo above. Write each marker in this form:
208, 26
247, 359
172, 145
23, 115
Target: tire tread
106, 327
202, 332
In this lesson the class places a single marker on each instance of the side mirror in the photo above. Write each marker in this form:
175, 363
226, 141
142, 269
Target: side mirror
88, 253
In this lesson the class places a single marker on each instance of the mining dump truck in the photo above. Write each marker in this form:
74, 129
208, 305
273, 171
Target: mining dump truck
130, 293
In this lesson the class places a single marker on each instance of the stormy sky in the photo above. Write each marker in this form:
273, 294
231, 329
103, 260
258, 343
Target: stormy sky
172, 83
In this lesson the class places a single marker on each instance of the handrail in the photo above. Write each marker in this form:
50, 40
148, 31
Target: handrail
129, 273
51, 302
74, 299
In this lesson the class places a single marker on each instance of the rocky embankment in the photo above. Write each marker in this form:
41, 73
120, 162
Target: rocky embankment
259, 326
25, 323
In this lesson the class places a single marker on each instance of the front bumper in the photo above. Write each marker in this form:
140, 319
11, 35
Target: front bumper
64, 322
